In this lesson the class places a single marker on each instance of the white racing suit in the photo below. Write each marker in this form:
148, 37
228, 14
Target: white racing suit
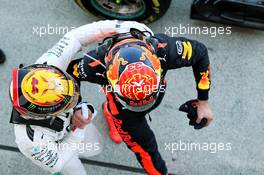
60, 151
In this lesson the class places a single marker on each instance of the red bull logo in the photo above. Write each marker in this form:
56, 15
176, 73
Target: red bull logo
142, 102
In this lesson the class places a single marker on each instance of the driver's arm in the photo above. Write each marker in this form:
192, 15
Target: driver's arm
63, 52
182, 52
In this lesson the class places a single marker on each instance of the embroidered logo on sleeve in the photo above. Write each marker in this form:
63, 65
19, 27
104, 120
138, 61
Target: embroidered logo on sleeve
47, 156
179, 47
94, 63
187, 50
204, 83
75, 71
81, 69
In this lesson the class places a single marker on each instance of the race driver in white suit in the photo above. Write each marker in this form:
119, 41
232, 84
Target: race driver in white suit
52, 126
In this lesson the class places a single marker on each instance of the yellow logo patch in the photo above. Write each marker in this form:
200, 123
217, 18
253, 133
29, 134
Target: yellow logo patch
75, 71
187, 50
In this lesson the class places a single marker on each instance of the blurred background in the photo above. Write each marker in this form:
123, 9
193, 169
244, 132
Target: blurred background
236, 95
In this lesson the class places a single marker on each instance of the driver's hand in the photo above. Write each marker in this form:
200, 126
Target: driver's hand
80, 121
204, 111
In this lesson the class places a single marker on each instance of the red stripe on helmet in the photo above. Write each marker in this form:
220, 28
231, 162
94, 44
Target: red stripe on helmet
15, 87
15, 97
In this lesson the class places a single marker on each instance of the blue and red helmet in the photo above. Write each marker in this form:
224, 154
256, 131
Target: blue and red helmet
134, 73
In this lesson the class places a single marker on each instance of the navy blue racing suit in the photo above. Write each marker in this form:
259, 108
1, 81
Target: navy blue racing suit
174, 53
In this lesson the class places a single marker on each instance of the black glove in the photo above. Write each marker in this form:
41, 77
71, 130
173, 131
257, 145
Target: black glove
190, 107
2, 57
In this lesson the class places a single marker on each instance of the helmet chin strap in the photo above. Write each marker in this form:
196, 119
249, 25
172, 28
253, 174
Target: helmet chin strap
52, 120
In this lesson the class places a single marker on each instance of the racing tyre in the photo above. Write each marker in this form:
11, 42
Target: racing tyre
137, 10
